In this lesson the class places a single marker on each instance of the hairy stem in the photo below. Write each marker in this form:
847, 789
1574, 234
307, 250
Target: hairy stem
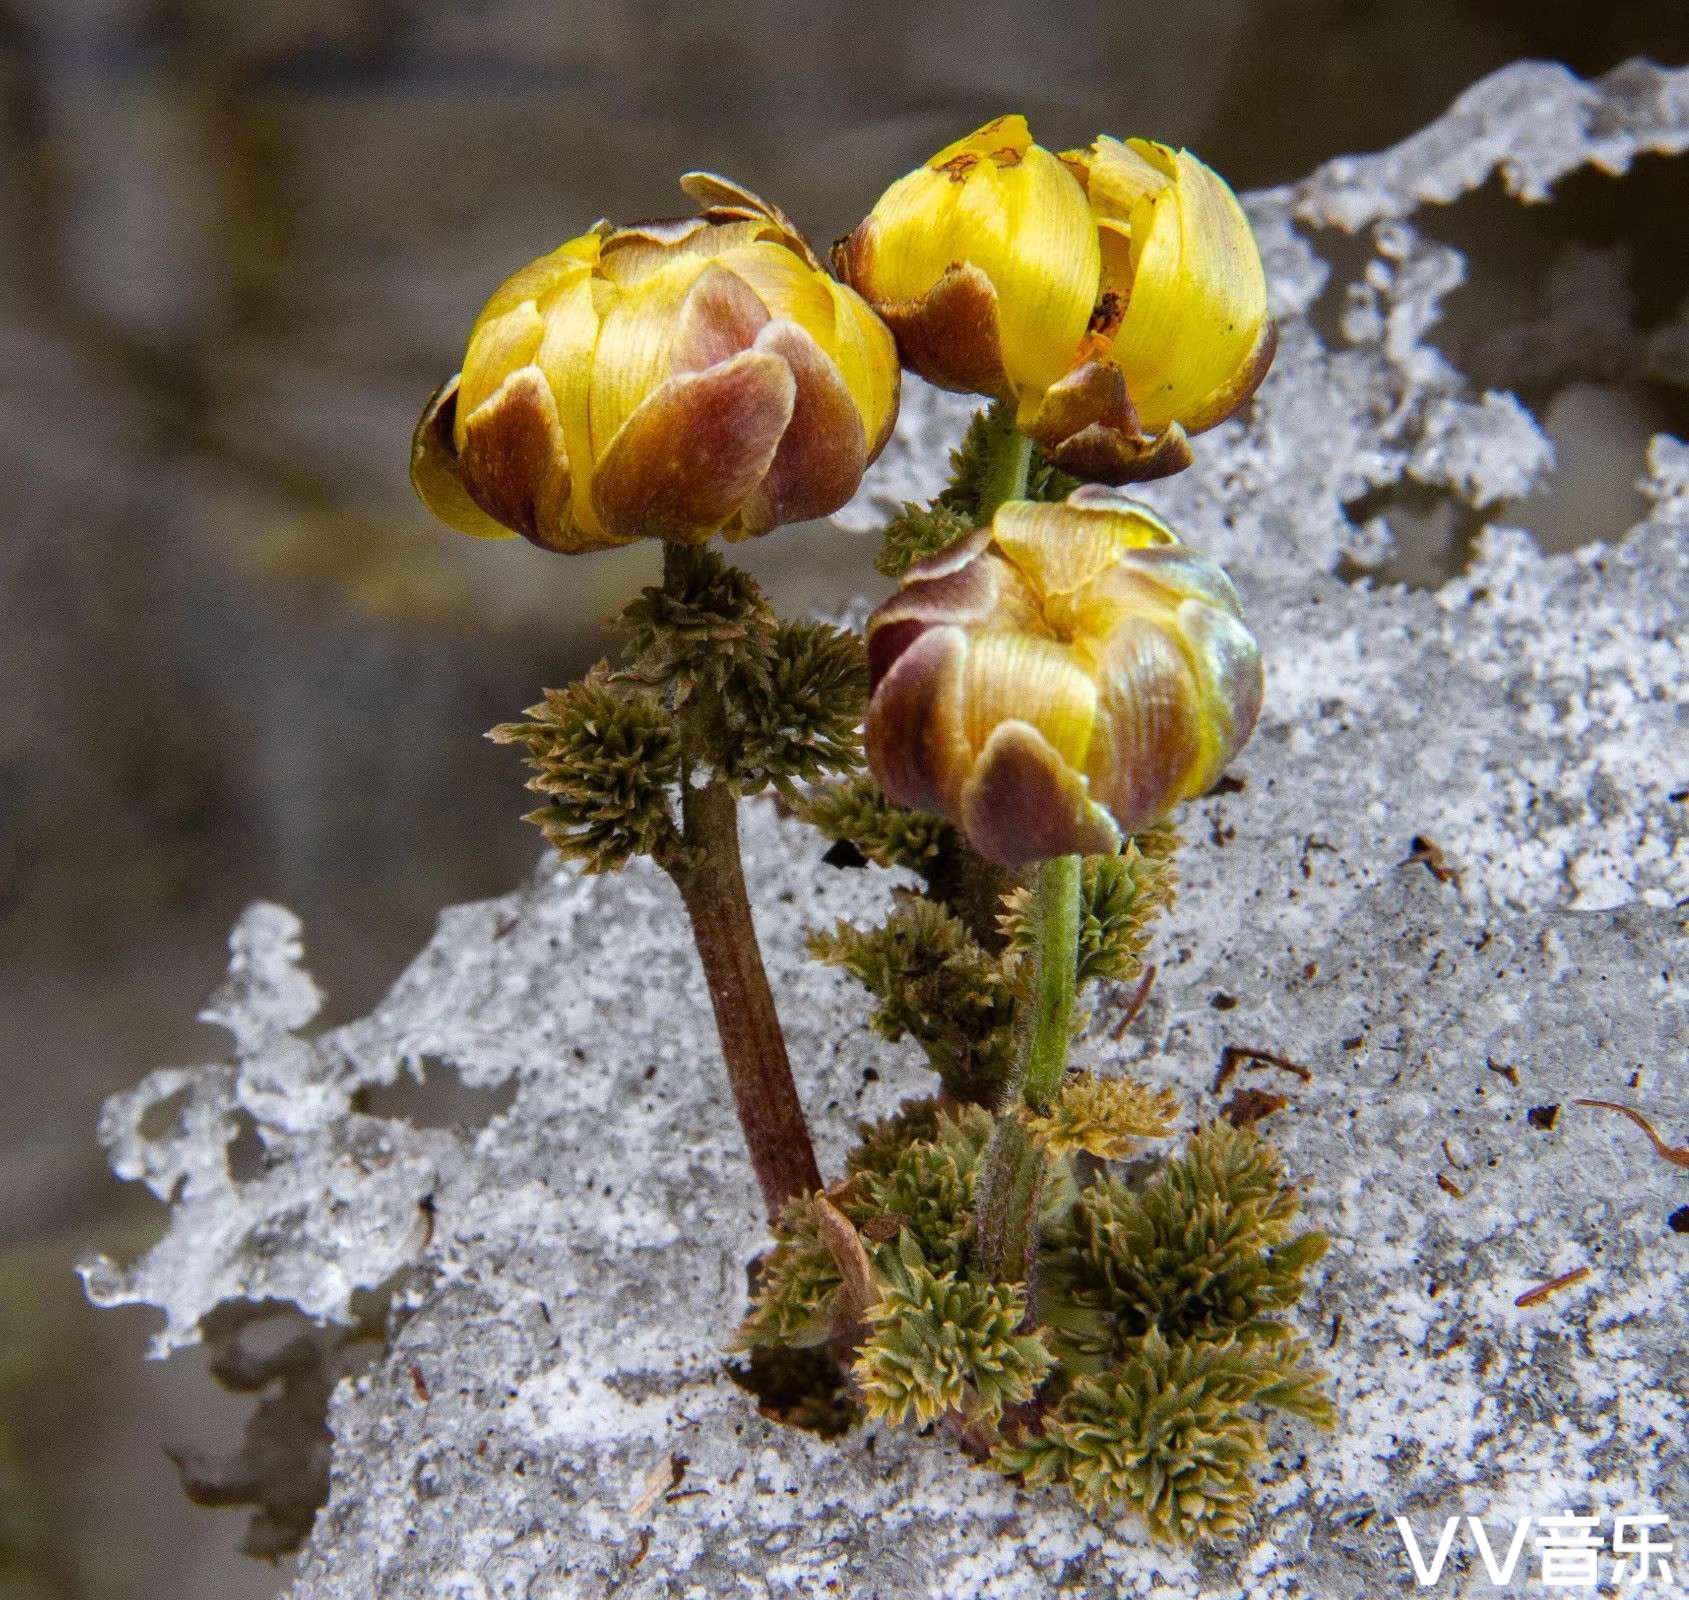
1007, 1196
1007, 464
708, 872
1055, 973
1012, 1172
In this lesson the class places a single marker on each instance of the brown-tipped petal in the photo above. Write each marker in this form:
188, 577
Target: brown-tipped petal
962, 592
1228, 401
1232, 685
1023, 803
1094, 393
824, 450
720, 316
952, 558
1148, 739
726, 200
887, 642
694, 449
950, 335
435, 471
1107, 456
1183, 575
664, 231
514, 463
846, 255
915, 745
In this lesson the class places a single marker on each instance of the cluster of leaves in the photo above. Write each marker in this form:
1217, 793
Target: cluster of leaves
857, 812
943, 1342
1103, 1117
945, 968
918, 531
1166, 1305
1204, 1252
771, 702
607, 758
932, 981
911, 1177
1173, 1431
1139, 1363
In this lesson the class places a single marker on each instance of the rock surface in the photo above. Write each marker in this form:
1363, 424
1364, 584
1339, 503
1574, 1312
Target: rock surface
551, 1417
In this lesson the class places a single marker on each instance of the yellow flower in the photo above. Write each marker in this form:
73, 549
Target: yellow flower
668, 379
1181, 336
1059, 679
1115, 294
985, 263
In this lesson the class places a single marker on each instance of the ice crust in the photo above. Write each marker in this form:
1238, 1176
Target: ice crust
552, 1418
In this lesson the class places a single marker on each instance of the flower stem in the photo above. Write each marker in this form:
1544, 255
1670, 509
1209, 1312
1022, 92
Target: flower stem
1055, 974
710, 876
1009, 459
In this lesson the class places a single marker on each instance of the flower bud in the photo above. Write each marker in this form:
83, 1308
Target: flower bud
1181, 337
668, 379
1059, 679
1115, 294
984, 263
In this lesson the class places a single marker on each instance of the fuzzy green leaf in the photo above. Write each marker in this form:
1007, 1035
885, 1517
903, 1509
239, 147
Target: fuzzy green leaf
1202, 1251
606, 758
926, 1188
793, 1303
889, 835
1104, 1117
798, 718
716, 626
881, 1144
936, 984
919, 531
942, 1343
1167, 1433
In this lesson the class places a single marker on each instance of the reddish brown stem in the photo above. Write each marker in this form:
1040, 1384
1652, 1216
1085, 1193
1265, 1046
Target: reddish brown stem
711, 881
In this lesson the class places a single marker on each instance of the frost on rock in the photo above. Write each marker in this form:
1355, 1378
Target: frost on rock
1450, 887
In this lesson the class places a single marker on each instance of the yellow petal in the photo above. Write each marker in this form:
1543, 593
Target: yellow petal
566, 357
508, 331
866, 354
1196, 312
839, 321
1148, 738
1006, 205
1056, 548
1071, 554
499, 346
1012, 676
1046, 265
635, 340
437, 475
1116, 176
907, 242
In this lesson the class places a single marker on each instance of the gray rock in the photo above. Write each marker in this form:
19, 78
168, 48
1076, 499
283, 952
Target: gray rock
552, 1416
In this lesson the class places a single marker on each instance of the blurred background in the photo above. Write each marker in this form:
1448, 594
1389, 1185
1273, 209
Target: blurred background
240, 241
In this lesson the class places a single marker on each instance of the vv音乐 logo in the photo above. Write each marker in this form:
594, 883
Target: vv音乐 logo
1562, 1551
